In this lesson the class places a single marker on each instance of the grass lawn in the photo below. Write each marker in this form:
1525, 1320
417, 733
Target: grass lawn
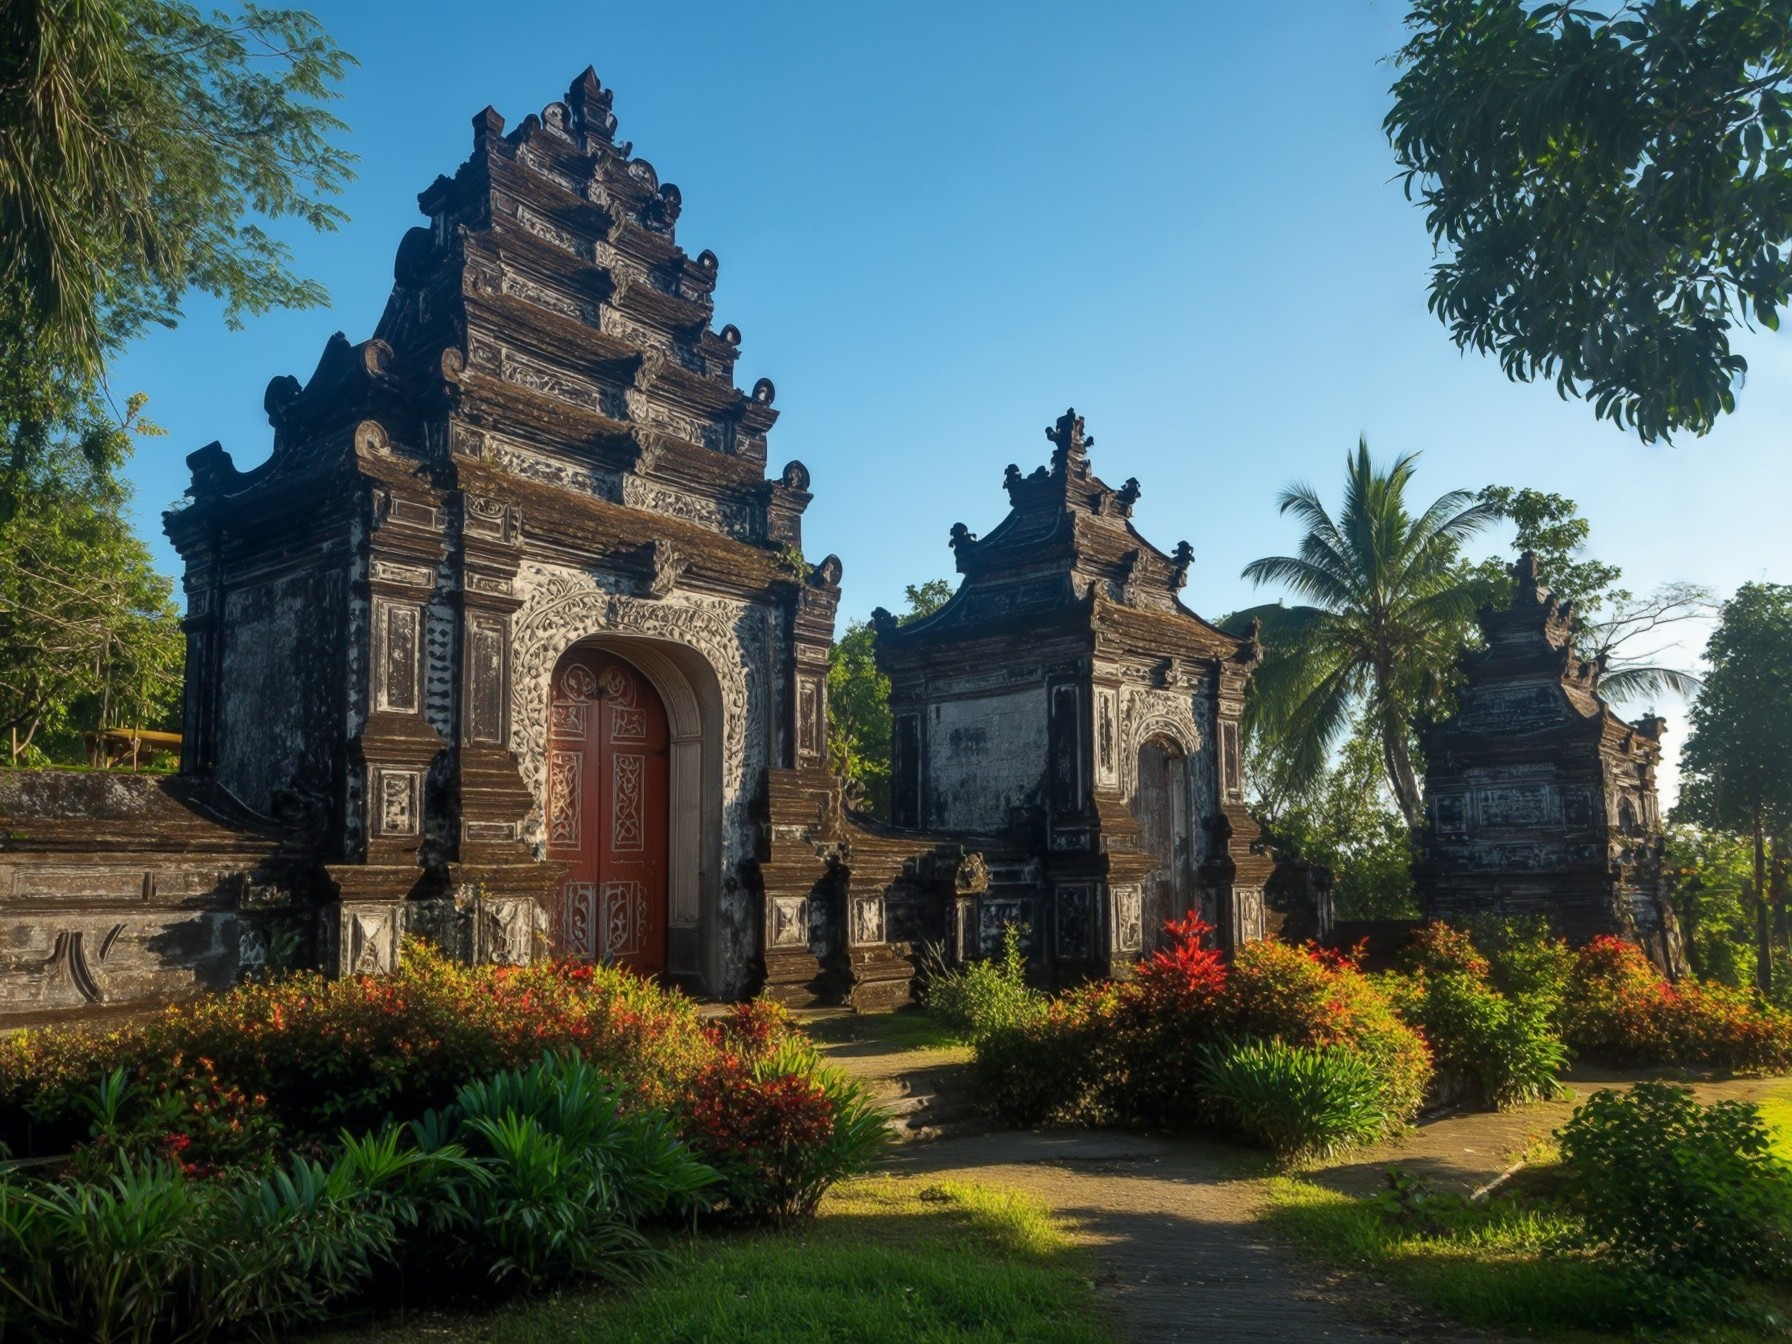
902, 1030
1504, 1266
1776, 1110
889, 1261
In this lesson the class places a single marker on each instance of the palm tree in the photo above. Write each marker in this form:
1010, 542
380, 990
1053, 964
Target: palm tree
1389, 606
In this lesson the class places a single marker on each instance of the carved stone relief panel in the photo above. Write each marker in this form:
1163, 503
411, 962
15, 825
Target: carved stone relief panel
736, 639
790, 921
1129, 921
1072, 925
397, 794
993, 917
1107, 745
1147, 713
732, 520
397, 631
867, 920
810, 731
485, 678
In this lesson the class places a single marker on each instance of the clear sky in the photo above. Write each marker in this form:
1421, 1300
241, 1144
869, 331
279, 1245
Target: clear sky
941, 224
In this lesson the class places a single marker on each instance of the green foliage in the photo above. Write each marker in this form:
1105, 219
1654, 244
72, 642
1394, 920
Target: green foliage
1345, 821
1503, 1047
1707, 878
859, 702
1687, 1197
1390, 610
1295, 1101
1140, 1051
859, 717
1551, 528
1736, 767
987, 995
89, 635
564, 1174
1737, 762
1611, 187
143, 144
1614, 627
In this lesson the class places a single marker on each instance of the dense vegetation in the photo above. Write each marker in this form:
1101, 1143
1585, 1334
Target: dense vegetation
1300, 1051
287, 1150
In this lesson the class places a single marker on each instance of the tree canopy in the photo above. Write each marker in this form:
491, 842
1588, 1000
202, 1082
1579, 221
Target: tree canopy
1388, 606
1611, 190
147, 148
144, 145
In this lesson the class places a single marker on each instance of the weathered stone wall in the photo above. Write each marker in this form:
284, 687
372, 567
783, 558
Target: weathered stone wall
121, 892
985, 758
277, 727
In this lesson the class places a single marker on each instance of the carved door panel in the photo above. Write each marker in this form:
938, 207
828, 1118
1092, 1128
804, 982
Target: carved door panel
607, 806
1161, 808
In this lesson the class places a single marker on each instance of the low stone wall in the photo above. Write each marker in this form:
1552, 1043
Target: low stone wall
123, 892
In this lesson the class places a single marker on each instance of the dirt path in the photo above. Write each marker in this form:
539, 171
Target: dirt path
1466, 1150
1173, 1221
1173, 1225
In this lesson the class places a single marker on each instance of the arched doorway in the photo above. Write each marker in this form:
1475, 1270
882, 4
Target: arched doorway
607, 813
1160, 805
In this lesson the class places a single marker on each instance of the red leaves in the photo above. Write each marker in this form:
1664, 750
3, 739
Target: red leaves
1187, 969
1620, 1007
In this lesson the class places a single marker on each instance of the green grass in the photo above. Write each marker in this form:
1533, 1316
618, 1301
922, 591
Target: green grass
1776, 1110
904, 1029
1504, 1268
888, 1261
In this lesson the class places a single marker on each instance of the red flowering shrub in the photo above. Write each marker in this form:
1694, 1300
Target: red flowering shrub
1620, 1008
243, 1078
1135, 1051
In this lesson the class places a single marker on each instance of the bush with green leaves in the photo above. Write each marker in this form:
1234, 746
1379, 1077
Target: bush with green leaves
150, 1252
550, 1177
1294, 1100
1501, 1049
530, 1176
987, 995
1689, 1198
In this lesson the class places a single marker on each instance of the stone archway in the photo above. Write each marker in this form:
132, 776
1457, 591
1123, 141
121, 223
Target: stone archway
700, 656
1160, 804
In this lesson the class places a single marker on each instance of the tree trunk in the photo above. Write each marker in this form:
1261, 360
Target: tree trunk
1763, 924
1399, 766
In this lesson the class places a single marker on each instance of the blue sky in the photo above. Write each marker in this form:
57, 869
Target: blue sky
939, 225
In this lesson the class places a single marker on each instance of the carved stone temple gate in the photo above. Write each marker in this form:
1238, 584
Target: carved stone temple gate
510, 642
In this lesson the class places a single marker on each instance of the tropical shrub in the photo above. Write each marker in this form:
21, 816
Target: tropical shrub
780, 1129
559, 1174
1321, 999
150, 1252
239, 1081
1138, 1051
313, 1056
1688, 1197
1502, 1049
1294, 1100
1619, 1007
987, 995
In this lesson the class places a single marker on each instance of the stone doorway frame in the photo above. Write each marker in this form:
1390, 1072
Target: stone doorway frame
687, 687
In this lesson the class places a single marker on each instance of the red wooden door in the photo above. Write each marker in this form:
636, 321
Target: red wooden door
608, 753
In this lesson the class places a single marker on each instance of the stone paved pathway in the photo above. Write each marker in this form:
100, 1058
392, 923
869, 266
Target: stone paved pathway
1173, 1220
1172, 1225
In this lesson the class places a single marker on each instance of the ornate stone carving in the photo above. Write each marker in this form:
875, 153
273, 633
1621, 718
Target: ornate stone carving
561, 607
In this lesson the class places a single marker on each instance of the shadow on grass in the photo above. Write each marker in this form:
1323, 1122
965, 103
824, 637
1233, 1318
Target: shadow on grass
885, 1033
886, 1262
